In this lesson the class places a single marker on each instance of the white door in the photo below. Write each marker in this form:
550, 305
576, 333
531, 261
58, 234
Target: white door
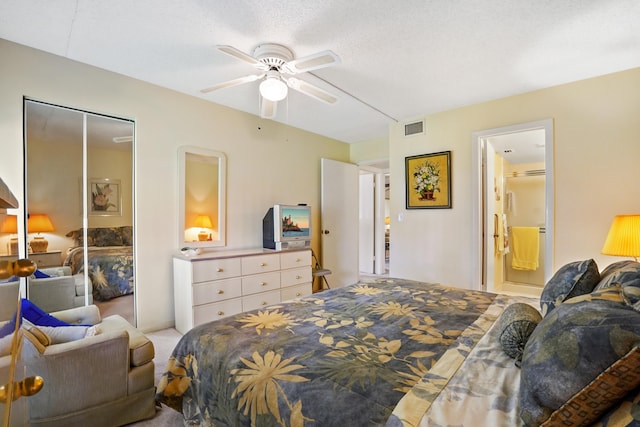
339, 221
366, 223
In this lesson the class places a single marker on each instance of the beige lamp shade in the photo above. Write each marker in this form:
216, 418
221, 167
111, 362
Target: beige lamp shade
38, 223
203, 221
10, 224
624, 237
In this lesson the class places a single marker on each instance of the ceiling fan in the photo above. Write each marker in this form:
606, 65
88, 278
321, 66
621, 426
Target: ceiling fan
275, 63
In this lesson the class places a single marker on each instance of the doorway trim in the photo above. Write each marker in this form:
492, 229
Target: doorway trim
480, 223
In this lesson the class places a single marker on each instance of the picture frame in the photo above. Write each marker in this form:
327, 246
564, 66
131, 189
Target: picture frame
428, 181
105, 197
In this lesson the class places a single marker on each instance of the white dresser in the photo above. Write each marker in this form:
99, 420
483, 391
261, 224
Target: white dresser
214, 285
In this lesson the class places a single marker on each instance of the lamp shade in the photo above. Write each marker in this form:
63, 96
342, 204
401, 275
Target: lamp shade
624, 237
38, 223
203, 221
10, 224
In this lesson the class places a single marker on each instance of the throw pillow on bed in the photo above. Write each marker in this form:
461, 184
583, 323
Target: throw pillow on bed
514, 327
581, 359
626, 274
573, 279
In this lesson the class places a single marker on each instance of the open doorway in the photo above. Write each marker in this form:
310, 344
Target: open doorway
374, 226
514, 193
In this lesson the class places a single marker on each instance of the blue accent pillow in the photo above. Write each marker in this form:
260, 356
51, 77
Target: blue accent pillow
40, 275
38, 316
571, 280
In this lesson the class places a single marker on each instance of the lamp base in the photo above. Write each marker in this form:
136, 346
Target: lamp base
203, 235
13, 246
39, 244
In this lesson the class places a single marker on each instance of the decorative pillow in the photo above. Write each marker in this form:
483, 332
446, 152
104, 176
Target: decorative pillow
103, 236
38, 274
515, 325
38, 316
62, 334
570, 348
573, 279
626, 274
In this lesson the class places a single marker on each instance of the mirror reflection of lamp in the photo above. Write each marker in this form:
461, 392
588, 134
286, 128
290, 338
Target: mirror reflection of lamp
623, 238
39, 223
10, 226
202, 222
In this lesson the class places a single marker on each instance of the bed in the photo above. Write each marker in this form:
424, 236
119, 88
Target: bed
398, 352
110, 260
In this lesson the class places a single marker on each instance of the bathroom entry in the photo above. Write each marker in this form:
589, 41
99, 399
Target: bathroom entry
492, 240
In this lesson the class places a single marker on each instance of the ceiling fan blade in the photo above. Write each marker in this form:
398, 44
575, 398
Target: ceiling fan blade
238, 54
267, 108
234, 82
311, 90
318, 60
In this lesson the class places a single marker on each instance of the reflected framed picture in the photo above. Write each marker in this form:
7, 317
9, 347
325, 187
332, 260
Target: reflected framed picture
428, 181
105, 197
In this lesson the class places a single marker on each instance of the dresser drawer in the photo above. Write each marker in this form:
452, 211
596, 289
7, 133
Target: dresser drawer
295, 259
214, 311
260, 264
218, 290
214, 269
295, 276
260, 300
296, 291
260, 283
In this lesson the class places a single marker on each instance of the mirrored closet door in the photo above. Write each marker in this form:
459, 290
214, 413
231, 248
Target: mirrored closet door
79, 208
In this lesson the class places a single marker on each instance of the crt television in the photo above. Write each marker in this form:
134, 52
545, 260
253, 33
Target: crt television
287, 227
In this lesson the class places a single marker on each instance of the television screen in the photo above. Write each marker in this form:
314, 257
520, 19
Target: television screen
295, 222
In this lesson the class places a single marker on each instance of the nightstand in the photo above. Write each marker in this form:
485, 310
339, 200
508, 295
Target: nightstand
46, 259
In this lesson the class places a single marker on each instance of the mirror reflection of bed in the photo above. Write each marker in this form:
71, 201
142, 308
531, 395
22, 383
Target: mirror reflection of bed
77, 178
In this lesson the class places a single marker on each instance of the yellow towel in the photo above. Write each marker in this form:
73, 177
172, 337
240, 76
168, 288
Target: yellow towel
525, 243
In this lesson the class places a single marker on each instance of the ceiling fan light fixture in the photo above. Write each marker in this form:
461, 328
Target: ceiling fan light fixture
273, 88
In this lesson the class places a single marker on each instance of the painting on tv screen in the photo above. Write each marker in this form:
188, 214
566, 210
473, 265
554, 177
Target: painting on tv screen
295, 222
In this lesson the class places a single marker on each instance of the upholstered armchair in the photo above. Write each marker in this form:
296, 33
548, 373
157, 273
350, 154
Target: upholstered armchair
102, 380
60, 291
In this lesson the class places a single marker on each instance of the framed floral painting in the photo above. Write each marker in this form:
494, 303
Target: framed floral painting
428, 178
105, 198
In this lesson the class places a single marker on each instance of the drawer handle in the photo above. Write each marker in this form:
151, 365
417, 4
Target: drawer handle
264, 303
299, 294
263, 283
219, 270
221, 313
298, 260
263, 264
298, 277
220, 292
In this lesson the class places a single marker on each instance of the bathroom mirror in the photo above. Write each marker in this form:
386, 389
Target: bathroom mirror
202, 198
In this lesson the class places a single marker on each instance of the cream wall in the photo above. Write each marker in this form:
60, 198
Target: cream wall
276, 164
597, 147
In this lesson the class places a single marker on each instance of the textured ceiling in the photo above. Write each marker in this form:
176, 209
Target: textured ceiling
400, 59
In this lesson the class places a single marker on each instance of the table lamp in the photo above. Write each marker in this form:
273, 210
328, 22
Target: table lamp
203, 221
10, 226
624, 237
38, 223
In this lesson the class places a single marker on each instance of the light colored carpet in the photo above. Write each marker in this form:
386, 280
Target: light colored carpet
163, 342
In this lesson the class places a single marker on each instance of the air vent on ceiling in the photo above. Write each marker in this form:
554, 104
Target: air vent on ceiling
414, 128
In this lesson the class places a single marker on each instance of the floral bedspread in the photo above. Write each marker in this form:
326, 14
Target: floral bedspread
341, 357
110, 269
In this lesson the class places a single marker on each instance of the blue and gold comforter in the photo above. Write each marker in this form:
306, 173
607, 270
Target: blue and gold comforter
110, 269
341, 357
